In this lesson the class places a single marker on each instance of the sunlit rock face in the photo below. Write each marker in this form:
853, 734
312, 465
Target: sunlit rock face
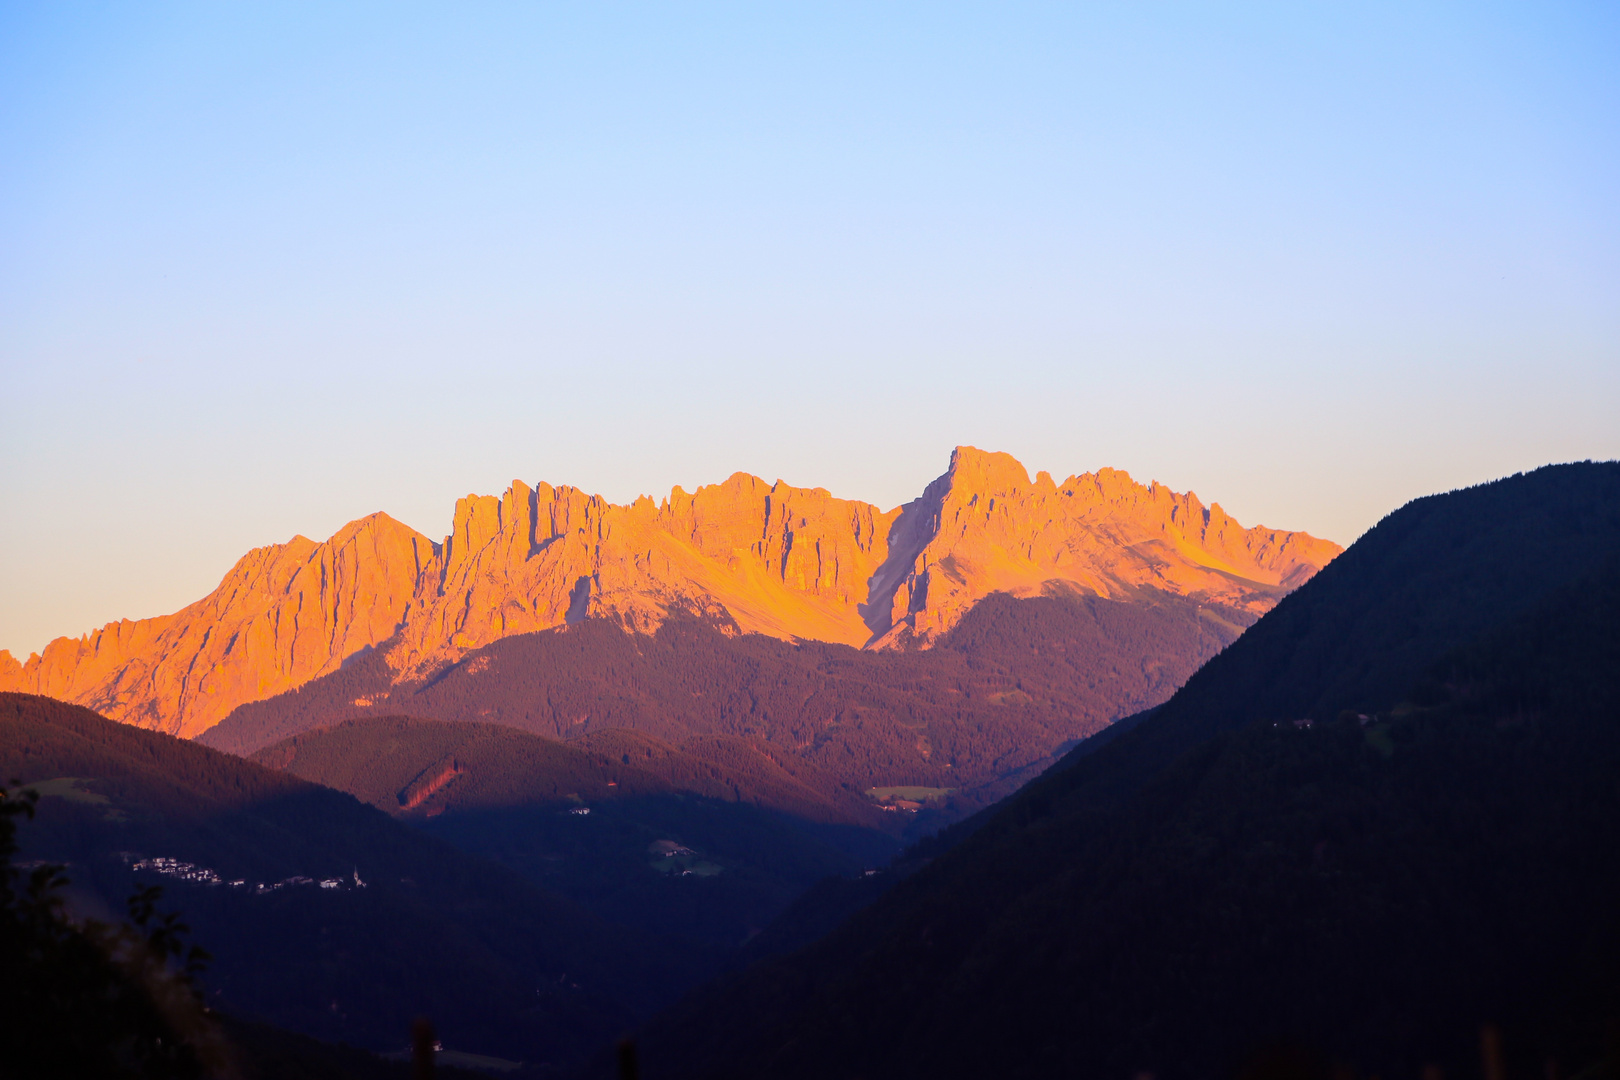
772, 559
284, 614
984, 527
755, 557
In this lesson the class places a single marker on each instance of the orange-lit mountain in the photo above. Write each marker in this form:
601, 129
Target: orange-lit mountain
762, 558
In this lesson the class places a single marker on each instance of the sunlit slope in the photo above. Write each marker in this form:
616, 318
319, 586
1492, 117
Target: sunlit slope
791, 563
1384, 816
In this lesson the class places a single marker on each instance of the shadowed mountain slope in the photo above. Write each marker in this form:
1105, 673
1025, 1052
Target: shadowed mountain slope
677, 857
1428, 578
345, 924
806, 728
421, 768
771, 559
1220, 876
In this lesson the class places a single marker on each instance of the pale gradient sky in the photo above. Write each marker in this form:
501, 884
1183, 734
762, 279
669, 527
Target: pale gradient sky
267, 268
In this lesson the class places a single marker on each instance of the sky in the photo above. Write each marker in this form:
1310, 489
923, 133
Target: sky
268, 268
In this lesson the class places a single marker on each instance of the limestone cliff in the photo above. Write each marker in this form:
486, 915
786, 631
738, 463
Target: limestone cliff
761, 558
984, 527
771, 559
284, 614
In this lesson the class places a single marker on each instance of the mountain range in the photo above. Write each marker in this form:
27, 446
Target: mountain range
1381, 819
1335, 842
748, 557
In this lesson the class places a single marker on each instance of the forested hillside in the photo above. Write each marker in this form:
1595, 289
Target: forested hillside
325, 916
1376, 823
1015, 682
117, 996
636, 831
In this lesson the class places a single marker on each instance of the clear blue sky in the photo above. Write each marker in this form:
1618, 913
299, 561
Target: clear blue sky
266, 268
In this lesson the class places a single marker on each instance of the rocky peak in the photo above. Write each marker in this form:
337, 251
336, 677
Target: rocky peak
983, 527
976, 472
283, 615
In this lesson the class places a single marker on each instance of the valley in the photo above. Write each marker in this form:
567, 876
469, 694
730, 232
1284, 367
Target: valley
672, 723
991, 843
1367, 829
809, 541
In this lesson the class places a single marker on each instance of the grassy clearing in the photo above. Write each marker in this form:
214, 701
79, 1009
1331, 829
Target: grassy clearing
684, 865
69, 788
910, 794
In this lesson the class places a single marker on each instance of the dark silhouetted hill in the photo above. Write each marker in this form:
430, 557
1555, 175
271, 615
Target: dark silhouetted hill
501, 966
1387, 815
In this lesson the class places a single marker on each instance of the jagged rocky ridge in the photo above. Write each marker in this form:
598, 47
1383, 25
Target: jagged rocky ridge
791, 563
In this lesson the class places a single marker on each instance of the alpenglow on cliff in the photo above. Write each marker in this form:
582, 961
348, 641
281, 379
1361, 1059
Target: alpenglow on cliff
755, 557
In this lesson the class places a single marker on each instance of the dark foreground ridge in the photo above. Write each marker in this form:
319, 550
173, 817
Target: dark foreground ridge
1384, 817
326, 916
